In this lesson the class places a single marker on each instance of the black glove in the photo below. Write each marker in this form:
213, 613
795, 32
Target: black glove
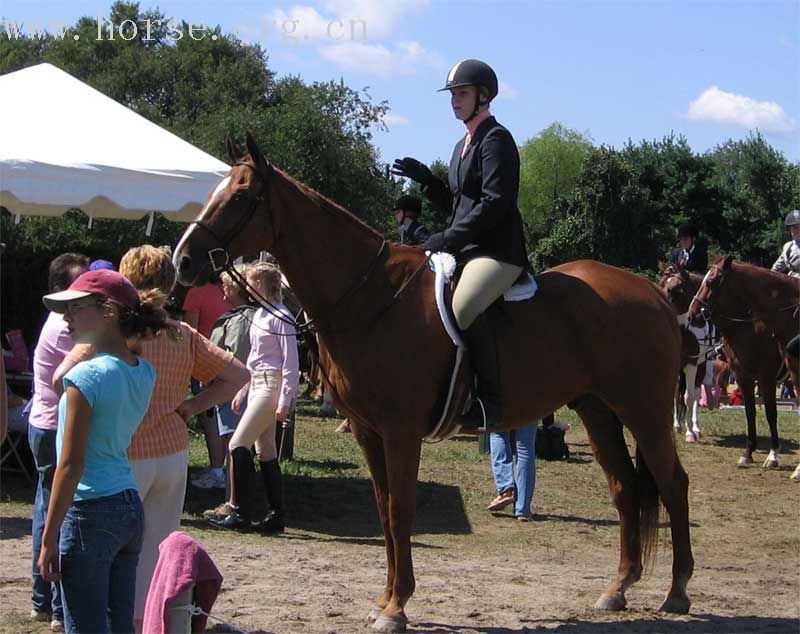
411, 168
435, 243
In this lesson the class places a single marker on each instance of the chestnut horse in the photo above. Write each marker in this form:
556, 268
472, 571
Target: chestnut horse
770, 297
751, 353
589, 338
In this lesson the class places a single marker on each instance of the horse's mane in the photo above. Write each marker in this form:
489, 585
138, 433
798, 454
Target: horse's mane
326, 203
769, 274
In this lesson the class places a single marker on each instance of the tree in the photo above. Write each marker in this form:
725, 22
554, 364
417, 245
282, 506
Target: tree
550, 164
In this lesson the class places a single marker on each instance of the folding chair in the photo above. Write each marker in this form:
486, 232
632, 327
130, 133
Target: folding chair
15, 455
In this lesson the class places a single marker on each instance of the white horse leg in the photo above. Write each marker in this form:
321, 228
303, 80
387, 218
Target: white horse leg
691, 400
772, 460
796, 475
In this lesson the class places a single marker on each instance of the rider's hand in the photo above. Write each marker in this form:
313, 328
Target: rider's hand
435, 243
411, 168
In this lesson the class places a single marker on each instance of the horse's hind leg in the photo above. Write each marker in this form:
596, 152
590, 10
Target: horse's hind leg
608, 445
657, 447
692, 397
372, 446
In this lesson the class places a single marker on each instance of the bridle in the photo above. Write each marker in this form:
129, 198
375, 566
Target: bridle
707, 309
220, 261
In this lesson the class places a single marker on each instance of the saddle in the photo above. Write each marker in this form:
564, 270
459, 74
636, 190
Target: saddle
462, 379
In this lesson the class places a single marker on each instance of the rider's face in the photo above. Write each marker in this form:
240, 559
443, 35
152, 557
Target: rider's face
795, 231
686, 242
462, 99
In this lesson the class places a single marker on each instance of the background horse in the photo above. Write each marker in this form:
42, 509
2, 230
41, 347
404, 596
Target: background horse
696, 345
587, 339
771, 299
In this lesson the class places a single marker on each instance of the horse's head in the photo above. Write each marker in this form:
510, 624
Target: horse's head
708, 295
678, 285
228, 225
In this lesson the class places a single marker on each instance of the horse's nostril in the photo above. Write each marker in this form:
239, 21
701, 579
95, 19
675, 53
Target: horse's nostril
185, 265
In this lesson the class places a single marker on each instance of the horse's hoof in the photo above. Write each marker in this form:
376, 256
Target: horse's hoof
611, 602
390, 624
374, 613
744, 461
796, 475
771, 463
676, 605
690, 437
697, 432
676, 426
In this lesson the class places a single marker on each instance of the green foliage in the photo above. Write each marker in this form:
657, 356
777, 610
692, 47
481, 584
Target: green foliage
550, 164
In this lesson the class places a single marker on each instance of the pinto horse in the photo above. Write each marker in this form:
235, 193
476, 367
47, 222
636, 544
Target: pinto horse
770, 297
695, 345
751, 353
589, 338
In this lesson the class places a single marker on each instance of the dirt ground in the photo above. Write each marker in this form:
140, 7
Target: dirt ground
491, 574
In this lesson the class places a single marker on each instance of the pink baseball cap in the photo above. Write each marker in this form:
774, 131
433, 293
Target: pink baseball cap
102, 282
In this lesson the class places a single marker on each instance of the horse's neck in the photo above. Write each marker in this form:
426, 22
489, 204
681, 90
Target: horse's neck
323, 250
765, 292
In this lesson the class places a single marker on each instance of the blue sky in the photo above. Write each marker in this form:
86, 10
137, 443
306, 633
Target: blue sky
614, 70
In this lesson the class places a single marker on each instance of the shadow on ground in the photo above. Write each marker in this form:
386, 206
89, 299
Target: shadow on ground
696, 624
345, 507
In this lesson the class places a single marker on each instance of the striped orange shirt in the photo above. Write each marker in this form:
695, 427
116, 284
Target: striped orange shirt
176, 359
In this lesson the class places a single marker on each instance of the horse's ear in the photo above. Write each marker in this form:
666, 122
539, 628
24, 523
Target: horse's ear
262, 164
726, 262
234, 151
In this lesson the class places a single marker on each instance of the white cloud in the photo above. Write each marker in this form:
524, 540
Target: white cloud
381, 18
506, 91
404, 58
357, 35
393, 120
727, 107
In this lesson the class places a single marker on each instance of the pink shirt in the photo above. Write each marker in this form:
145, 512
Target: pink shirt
472, 126
54, 344
209, 302
273, 346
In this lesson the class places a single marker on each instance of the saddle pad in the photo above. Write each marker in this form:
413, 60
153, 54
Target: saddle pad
444, 266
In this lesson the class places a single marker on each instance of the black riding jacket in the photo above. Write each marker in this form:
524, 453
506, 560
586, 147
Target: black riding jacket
482, 193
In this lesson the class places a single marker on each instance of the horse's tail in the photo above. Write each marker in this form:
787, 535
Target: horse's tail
649, 509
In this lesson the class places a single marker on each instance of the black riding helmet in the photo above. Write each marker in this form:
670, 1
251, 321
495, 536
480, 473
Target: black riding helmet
792, 218
687, 230
409, 204
473, 72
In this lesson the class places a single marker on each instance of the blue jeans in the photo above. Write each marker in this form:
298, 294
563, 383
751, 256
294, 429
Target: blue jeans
521, 476
46, 596
99, 547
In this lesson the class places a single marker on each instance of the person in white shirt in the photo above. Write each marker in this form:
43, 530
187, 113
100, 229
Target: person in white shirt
274, 376
789, 260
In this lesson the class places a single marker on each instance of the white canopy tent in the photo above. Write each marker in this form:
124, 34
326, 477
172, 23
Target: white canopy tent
64, 144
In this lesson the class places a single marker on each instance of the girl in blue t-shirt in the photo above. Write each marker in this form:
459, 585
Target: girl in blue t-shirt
94, 491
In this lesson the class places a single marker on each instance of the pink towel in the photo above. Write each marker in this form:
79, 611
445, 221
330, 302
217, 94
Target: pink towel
182, 563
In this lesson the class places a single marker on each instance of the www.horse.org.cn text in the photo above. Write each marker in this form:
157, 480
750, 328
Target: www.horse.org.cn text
288, 32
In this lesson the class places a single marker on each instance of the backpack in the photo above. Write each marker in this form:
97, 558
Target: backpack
550, 443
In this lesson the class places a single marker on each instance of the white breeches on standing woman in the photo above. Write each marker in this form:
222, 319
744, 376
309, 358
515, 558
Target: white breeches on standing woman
257, 425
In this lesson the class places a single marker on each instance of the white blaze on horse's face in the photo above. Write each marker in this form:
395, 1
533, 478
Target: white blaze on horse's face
223, 184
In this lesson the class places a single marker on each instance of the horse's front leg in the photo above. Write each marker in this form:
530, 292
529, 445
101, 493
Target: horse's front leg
677, 406
372, 446
747, 385
766, 385
402, 461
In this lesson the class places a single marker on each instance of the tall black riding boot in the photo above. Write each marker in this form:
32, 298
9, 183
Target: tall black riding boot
244, 474
485, 409
273, 485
